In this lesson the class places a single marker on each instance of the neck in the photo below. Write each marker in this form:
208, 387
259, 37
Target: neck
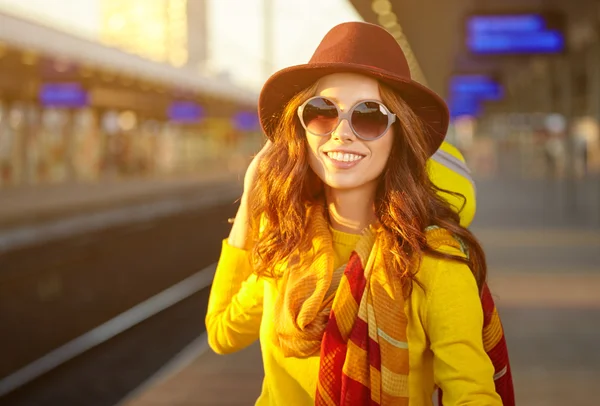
351, 210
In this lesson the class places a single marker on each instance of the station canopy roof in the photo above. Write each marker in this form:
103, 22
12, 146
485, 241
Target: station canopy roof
24, 34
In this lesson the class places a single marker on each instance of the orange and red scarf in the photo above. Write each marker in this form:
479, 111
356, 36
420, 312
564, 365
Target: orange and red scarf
362, 342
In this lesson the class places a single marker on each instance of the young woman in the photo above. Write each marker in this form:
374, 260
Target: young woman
344, 259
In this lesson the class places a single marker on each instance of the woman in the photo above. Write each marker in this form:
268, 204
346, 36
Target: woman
344, 260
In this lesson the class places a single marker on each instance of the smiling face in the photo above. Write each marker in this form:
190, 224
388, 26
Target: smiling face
341, 159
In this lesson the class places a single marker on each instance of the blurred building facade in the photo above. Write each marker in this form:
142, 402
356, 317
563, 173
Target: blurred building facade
118, 88
170, 31
73, 110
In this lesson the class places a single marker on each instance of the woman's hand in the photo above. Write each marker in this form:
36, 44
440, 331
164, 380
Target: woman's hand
238, 237
250, 176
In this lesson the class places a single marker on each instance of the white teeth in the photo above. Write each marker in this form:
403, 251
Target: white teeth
342, 157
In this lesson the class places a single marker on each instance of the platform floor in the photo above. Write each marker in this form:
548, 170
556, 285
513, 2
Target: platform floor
29, 205
205, 379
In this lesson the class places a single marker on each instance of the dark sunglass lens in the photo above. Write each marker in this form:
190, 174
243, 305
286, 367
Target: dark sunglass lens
320, 116
370, 119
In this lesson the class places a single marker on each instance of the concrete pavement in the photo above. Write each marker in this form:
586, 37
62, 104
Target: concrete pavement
36, 204
538, 203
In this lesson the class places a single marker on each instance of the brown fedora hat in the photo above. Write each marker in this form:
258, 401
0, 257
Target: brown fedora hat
360, 48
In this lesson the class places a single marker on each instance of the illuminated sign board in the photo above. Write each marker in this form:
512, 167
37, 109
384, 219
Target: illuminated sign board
479, 86
185, 112
514, 34
63, 95
246, 121
464, 106
469, 92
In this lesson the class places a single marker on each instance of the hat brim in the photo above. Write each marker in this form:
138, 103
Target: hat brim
286, 83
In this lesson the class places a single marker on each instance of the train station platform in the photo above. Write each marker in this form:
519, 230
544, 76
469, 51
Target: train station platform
30, 215
548, 300
24, 205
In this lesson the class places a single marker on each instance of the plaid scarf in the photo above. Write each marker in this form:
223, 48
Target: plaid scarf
355, 317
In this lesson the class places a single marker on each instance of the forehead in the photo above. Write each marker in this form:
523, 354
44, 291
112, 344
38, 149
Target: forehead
348, 88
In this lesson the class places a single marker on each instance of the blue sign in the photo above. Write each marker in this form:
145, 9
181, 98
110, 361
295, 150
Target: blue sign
513, 34
63, 95
479, 86
246, 121
468, 92
464, 106
185, 112
549, 42
486, 24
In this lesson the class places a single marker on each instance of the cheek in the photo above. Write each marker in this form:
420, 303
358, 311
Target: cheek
312, 144
382, 150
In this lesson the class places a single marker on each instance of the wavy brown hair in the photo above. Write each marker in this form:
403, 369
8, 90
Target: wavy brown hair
406, 202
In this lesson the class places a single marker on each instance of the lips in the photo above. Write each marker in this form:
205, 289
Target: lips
343, 159
344, 156
343, 151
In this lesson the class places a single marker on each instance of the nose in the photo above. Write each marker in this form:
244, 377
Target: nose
343, 132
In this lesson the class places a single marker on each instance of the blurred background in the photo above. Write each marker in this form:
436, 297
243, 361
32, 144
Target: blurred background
125, 130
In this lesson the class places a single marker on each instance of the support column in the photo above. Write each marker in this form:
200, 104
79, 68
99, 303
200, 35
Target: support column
566, 107
269, 37
593, 92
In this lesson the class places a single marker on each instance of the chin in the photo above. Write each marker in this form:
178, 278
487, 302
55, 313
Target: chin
335, 181
342, 180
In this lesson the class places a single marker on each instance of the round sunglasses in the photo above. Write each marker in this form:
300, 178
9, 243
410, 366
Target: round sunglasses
368, 119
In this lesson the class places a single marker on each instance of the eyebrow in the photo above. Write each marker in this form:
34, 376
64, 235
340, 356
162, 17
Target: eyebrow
336, 100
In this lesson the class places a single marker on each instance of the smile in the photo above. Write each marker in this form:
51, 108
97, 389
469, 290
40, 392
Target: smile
343, 160
344, 157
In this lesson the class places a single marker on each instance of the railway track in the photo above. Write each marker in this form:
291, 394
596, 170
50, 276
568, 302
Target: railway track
91, 317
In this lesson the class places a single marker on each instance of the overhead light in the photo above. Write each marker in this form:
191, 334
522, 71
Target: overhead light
381, 6
127, 120
396, 31
388, 20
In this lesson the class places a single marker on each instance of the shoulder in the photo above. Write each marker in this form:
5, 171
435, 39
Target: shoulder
442, 241
444, 284
434, 270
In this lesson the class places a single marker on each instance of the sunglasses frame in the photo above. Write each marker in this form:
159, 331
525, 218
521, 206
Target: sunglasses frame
347, 115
